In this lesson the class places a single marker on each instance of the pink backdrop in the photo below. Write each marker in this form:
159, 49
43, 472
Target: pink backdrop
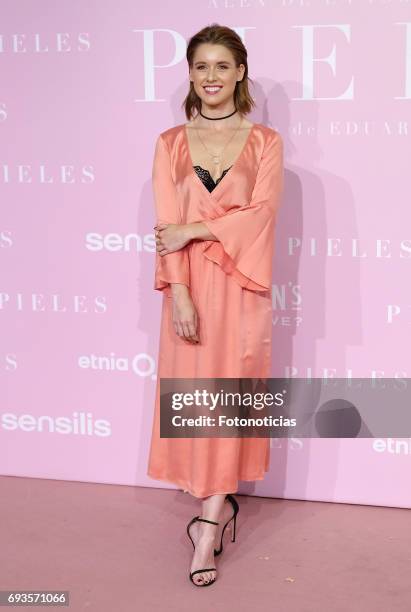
85, 90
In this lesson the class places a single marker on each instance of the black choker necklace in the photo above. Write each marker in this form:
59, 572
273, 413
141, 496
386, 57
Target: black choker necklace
217, 118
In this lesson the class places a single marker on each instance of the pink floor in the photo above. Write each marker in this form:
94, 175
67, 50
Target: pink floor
124, 549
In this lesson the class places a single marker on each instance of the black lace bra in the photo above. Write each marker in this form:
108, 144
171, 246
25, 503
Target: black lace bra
206, 177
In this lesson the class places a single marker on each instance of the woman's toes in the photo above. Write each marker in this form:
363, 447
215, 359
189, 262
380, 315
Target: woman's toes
203, 557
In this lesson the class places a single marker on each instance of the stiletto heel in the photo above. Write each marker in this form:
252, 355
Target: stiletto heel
235, 519
207, 569
236, 509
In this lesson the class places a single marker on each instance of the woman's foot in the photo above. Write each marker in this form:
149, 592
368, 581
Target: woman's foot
226, 513
203, 535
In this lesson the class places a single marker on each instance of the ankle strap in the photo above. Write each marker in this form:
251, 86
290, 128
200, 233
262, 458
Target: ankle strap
206, 520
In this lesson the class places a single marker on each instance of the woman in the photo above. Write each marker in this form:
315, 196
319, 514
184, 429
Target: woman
217, 183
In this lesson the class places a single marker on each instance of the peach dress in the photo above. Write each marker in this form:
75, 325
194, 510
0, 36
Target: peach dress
230, 284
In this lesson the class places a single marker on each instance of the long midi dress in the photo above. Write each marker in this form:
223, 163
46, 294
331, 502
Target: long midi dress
229, 282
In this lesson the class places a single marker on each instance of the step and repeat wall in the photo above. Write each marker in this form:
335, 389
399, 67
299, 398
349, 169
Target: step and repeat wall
85, 90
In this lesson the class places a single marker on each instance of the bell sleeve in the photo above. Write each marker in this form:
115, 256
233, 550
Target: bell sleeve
245, 246
173, 267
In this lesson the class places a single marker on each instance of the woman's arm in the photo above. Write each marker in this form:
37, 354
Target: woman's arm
172, 273
199, 231
172, 268
179, 290
172, 237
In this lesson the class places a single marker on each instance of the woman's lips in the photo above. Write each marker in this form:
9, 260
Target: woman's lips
212, 93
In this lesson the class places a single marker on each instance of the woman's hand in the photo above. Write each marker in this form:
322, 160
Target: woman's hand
171, 237
185, 318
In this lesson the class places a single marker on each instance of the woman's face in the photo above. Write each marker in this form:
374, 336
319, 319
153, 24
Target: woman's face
215, 65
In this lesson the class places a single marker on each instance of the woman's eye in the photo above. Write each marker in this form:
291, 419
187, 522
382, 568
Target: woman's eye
223, 67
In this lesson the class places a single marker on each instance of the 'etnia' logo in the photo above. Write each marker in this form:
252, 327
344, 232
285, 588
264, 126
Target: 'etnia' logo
141, 364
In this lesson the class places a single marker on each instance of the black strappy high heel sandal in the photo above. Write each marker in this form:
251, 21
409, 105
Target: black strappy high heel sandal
207, 569
236, 508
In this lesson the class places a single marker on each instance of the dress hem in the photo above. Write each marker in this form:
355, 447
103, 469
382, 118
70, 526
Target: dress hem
183, 485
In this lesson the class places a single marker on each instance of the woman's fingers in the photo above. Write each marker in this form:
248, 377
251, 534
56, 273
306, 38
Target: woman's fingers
171, 239
189, 331
185, 319
160, 248
180, 330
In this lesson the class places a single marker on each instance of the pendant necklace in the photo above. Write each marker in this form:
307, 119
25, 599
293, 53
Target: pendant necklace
218, 158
